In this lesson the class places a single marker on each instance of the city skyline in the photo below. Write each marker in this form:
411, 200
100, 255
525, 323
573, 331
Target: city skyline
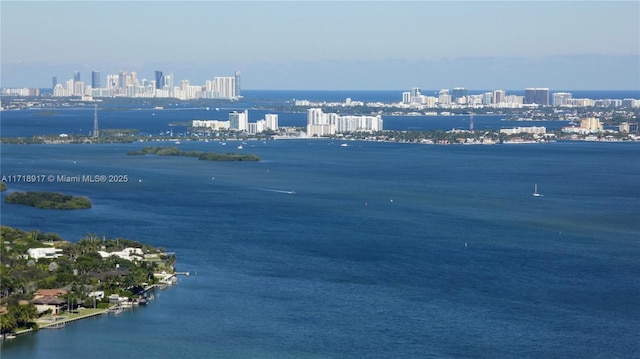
330, 45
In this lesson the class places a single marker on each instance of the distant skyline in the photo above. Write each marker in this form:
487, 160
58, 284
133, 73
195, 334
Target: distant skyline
355, 45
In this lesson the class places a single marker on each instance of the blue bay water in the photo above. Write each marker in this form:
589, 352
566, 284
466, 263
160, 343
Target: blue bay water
385, 250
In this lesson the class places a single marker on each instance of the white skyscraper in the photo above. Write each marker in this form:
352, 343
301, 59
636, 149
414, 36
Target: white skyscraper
444, 98
406, 97
239, 121
271, 121
499, 96
561, 98
224, 87
325, 124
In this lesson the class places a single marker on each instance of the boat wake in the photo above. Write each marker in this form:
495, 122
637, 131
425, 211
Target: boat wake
276, 190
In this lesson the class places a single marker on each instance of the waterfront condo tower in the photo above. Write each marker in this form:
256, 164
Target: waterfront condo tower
95, 79
159, 80
237, 78
458, 93
538, 96
239, 121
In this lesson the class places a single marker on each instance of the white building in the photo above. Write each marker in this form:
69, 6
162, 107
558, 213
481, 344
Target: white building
535, 130
499, 97
326, 124
48, 253
560, 99
212, 124
406, 97
128, 253
271, 121
444, 99
239, 121
221, 87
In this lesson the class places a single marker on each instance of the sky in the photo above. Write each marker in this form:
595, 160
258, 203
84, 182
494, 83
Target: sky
328, 45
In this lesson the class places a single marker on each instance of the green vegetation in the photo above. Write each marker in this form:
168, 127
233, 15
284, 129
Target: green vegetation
118, 135
3, 186
205, 156
77, 268
48, 200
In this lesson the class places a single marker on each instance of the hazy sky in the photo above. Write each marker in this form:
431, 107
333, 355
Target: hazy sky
328, 44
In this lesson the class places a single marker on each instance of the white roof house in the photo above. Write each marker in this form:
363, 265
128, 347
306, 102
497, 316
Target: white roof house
37, 253
129, 254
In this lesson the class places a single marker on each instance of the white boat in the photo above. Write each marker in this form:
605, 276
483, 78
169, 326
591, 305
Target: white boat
344, 145
240, 147
535, 191
55, 326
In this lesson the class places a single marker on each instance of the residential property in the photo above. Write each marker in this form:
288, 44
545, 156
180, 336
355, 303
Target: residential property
130, 254
326, 124
49, 252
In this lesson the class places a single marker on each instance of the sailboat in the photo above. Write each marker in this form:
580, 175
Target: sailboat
535, 191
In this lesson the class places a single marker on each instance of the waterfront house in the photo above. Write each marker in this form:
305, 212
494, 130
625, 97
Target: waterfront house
48, 299
49, 253
56, 305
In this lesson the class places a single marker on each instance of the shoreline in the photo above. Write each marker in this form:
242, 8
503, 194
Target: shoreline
50, 321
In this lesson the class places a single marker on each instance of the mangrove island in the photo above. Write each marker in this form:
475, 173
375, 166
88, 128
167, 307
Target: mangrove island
48, 200
205, 156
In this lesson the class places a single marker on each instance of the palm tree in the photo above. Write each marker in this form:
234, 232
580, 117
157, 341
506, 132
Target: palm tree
27, 314
7, 323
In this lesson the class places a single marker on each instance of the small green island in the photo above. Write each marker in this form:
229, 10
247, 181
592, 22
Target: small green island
205, 156
48, 200
3, 186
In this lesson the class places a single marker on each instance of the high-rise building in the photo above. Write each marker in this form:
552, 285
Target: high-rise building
168, 81
112, 81
159, 80
487, 98
459, 92
54, 82
134, 79
76, 76
499, 96
443, 97
271, 121
237, 86
529, 95
542, 96
561, 99
225, 87
406, 97
95, 79
591, 124
239, 120
122, 79
78, 88
538, 96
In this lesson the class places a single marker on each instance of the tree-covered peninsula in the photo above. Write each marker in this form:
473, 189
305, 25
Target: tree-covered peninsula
41, 271
205, 156
48, 200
